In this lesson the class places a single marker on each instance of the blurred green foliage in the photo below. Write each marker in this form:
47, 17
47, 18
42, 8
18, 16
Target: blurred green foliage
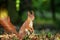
42, 12
41, 4
42, 9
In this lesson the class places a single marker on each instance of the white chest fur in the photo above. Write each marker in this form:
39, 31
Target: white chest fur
31, 24
27, 31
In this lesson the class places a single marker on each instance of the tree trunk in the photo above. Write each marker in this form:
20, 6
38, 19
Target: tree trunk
53, 10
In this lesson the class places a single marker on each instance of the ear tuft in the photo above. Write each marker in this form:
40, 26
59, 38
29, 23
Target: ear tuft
29, 13
32, 12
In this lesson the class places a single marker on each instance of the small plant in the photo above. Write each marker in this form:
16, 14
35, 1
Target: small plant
15, 38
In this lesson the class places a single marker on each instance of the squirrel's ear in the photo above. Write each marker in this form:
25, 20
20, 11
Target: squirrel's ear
29, 13
32, 12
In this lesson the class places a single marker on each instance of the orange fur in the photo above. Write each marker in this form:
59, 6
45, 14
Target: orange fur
8, 26
26, 26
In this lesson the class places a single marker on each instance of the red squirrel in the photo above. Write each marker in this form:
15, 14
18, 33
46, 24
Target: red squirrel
6, 23
27, 26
